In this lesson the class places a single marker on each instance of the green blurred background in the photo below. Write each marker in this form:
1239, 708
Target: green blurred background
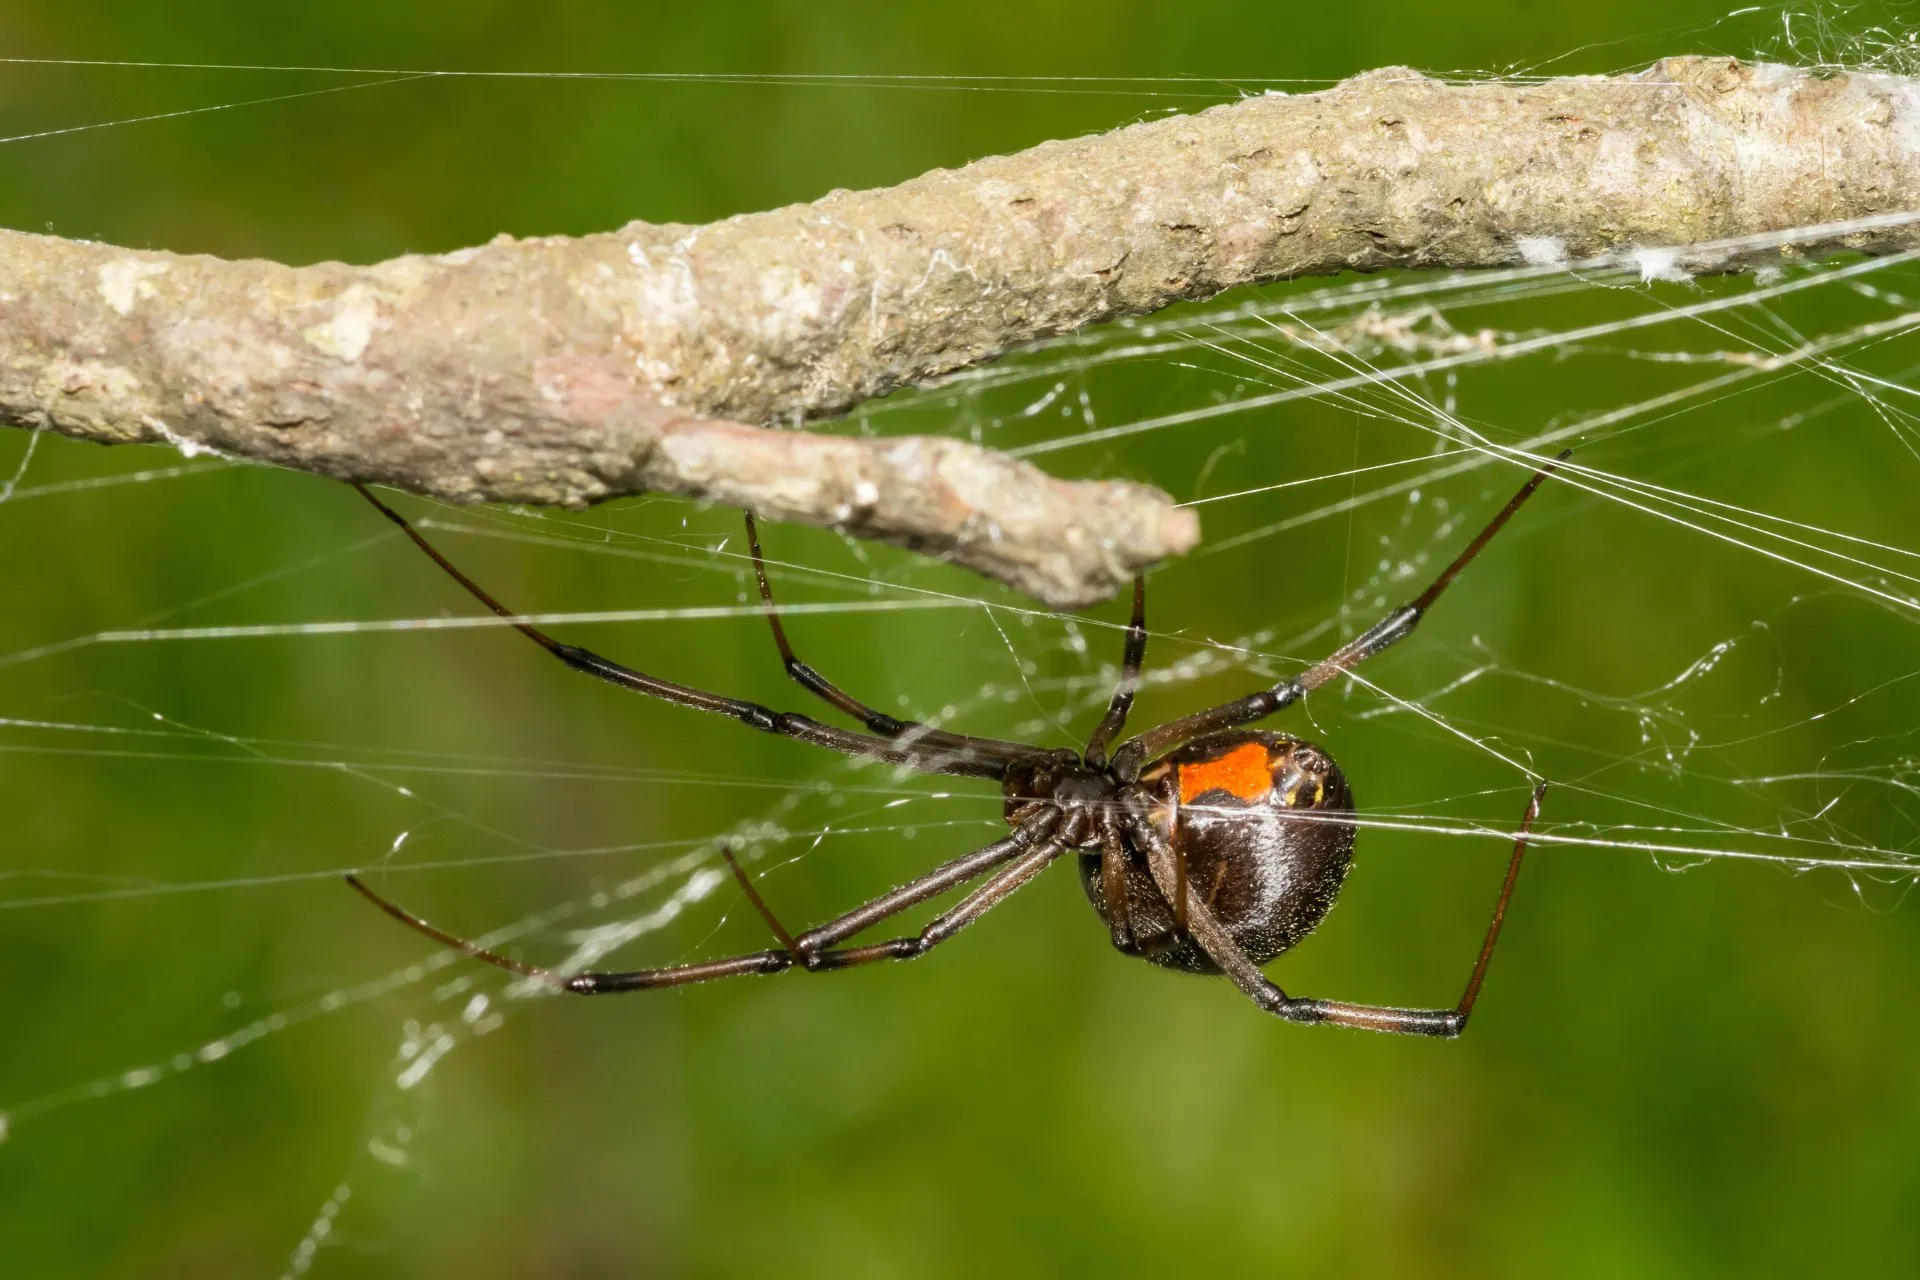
1671, 1074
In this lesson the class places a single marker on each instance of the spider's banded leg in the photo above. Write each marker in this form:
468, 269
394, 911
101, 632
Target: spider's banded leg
1002, 885
809, 945
803, 673
953, 759
1425, 1022
586, 984
1390, 630
1132, 654
879, 722
930, 885
936, 882
1237, 965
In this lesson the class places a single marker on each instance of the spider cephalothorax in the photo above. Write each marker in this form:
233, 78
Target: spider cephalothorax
1204, 845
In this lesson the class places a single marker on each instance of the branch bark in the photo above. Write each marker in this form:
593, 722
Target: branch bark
568, 371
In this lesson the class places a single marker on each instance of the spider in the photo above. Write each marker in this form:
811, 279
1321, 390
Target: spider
1203, 845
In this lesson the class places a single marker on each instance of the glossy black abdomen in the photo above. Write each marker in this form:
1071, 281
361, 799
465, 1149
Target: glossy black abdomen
1264, 822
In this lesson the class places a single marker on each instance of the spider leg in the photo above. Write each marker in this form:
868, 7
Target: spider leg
759, 903
1113, 884
803, 674
959, 760
931, 885
1132, 654
1389, 631
997, 888
1237, 965
812, 949
583, 983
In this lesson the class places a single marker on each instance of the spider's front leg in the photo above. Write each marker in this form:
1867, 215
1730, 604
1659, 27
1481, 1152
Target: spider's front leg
1382, 635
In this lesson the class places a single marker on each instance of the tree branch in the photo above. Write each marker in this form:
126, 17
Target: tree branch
567, 371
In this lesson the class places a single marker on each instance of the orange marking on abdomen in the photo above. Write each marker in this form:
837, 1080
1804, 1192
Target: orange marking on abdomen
1245, 773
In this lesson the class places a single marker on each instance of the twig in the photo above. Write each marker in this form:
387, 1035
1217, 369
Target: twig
567, 371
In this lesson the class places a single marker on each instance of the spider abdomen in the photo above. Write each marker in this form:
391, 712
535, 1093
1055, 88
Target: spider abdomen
1261, 819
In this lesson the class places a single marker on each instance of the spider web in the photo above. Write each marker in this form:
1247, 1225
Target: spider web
1744, 449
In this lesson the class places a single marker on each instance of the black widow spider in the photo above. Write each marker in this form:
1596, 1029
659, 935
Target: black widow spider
1204, 846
